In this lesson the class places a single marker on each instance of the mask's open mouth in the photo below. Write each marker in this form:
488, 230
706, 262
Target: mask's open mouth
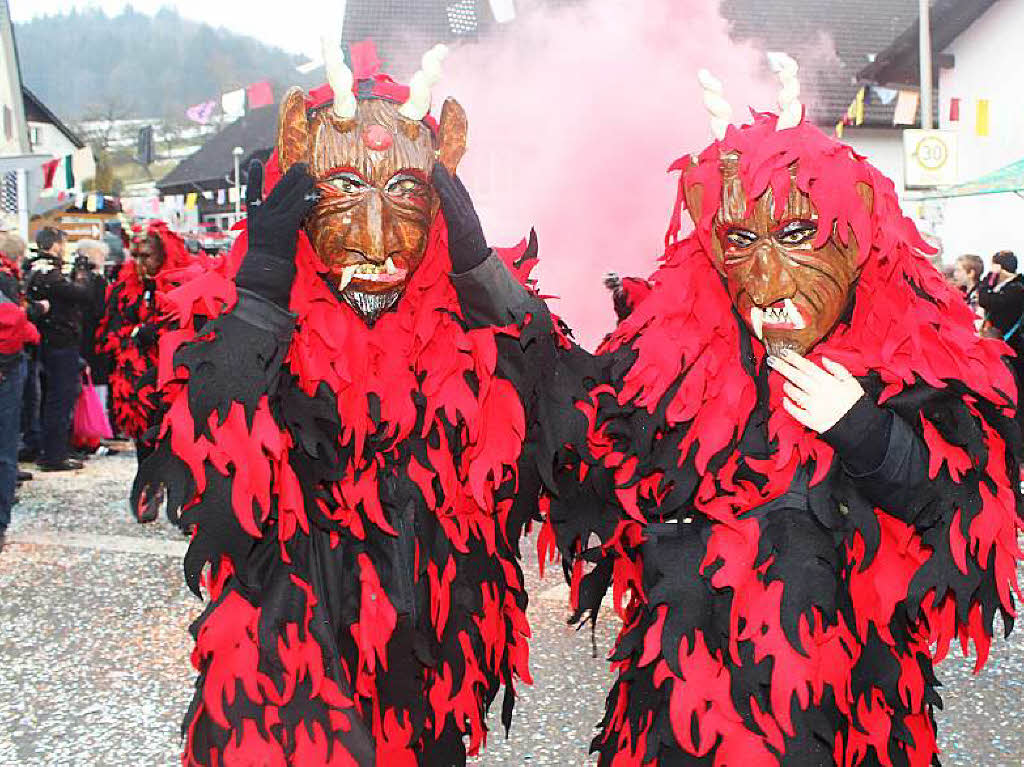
380, 275
781, 315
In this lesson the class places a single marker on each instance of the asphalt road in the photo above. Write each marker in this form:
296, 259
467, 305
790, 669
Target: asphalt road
94, 667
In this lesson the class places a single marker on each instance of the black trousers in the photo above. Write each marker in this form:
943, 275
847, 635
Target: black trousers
63, 379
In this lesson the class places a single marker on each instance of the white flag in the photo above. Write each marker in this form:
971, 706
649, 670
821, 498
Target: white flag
233, 104
83, 164
504, 10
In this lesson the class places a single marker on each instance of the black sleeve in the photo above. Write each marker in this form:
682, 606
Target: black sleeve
236, 358
1007, 299
9, 286
883, 456
35, 311
63, 289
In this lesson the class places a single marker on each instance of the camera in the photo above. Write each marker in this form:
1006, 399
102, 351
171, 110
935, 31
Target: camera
82, 263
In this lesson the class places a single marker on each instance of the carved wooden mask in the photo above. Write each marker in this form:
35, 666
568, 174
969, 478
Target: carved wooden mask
371, 224
790, 293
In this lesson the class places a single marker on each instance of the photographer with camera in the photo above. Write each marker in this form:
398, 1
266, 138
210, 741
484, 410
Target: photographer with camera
61, 331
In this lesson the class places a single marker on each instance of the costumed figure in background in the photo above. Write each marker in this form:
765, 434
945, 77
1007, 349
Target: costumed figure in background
346, 452
799, 467
129, 333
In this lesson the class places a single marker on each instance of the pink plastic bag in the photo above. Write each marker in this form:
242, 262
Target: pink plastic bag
91, 423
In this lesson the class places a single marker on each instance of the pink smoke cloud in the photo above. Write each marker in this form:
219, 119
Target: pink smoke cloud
575, 115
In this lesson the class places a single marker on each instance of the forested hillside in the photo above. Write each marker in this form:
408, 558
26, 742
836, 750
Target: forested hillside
86, 64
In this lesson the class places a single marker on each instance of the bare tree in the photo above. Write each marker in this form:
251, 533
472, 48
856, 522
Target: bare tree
100, 128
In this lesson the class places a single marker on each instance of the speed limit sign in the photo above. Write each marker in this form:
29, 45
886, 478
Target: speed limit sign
930, 157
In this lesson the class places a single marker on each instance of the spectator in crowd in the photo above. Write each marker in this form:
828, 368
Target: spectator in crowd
90, 257
12, 256
15, 332
61, 331
1001, 295
114, 240
967, 274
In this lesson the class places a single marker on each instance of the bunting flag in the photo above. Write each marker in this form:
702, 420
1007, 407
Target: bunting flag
233, 194
83, 164
233, 104
49, 171
9, 192
190, 200
504, 10
90, 203
260, 95
885, 96
954, 110
69, 171
201, 113
221, 196
906, 108
981, 119
855, 112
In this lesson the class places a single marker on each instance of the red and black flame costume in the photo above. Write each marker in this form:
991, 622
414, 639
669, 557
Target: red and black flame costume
776, 608
353, 495
133, 301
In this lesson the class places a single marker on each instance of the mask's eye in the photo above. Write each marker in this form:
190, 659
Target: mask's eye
348, 183
797, 232
740, 238
405, 186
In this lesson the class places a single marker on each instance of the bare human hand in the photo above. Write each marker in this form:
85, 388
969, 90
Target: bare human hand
816, 396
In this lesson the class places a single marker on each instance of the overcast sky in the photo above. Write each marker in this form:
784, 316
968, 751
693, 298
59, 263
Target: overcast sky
293, 24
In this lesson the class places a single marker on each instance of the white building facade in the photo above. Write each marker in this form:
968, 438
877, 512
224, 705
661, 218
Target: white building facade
989, 64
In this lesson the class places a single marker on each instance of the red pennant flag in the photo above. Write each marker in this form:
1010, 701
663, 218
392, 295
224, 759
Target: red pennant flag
365, 63
954, 110
49, 171
260, 95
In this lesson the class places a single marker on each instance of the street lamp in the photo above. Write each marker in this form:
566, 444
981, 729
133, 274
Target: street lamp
237, 152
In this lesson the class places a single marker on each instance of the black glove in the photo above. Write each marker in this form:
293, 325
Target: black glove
268, 268
467, 245
145, 336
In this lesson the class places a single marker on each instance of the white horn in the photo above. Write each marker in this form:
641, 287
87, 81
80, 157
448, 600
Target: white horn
791, 111
717, 106
339, 76
429, 74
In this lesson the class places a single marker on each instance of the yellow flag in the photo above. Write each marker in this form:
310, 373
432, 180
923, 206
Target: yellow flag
839, 129
190, 200
90, 203
981, 119
858, 107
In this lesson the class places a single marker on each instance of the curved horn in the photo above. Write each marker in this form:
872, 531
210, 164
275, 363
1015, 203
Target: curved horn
418, 104
717, 106
791, 111
339, 76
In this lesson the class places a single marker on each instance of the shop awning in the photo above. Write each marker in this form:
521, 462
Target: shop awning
1007, 179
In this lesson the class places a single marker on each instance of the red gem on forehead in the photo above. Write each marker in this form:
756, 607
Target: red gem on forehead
378, 138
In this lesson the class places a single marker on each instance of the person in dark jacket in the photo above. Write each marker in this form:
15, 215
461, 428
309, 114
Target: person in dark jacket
61, 331
1001, 295
88, 271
